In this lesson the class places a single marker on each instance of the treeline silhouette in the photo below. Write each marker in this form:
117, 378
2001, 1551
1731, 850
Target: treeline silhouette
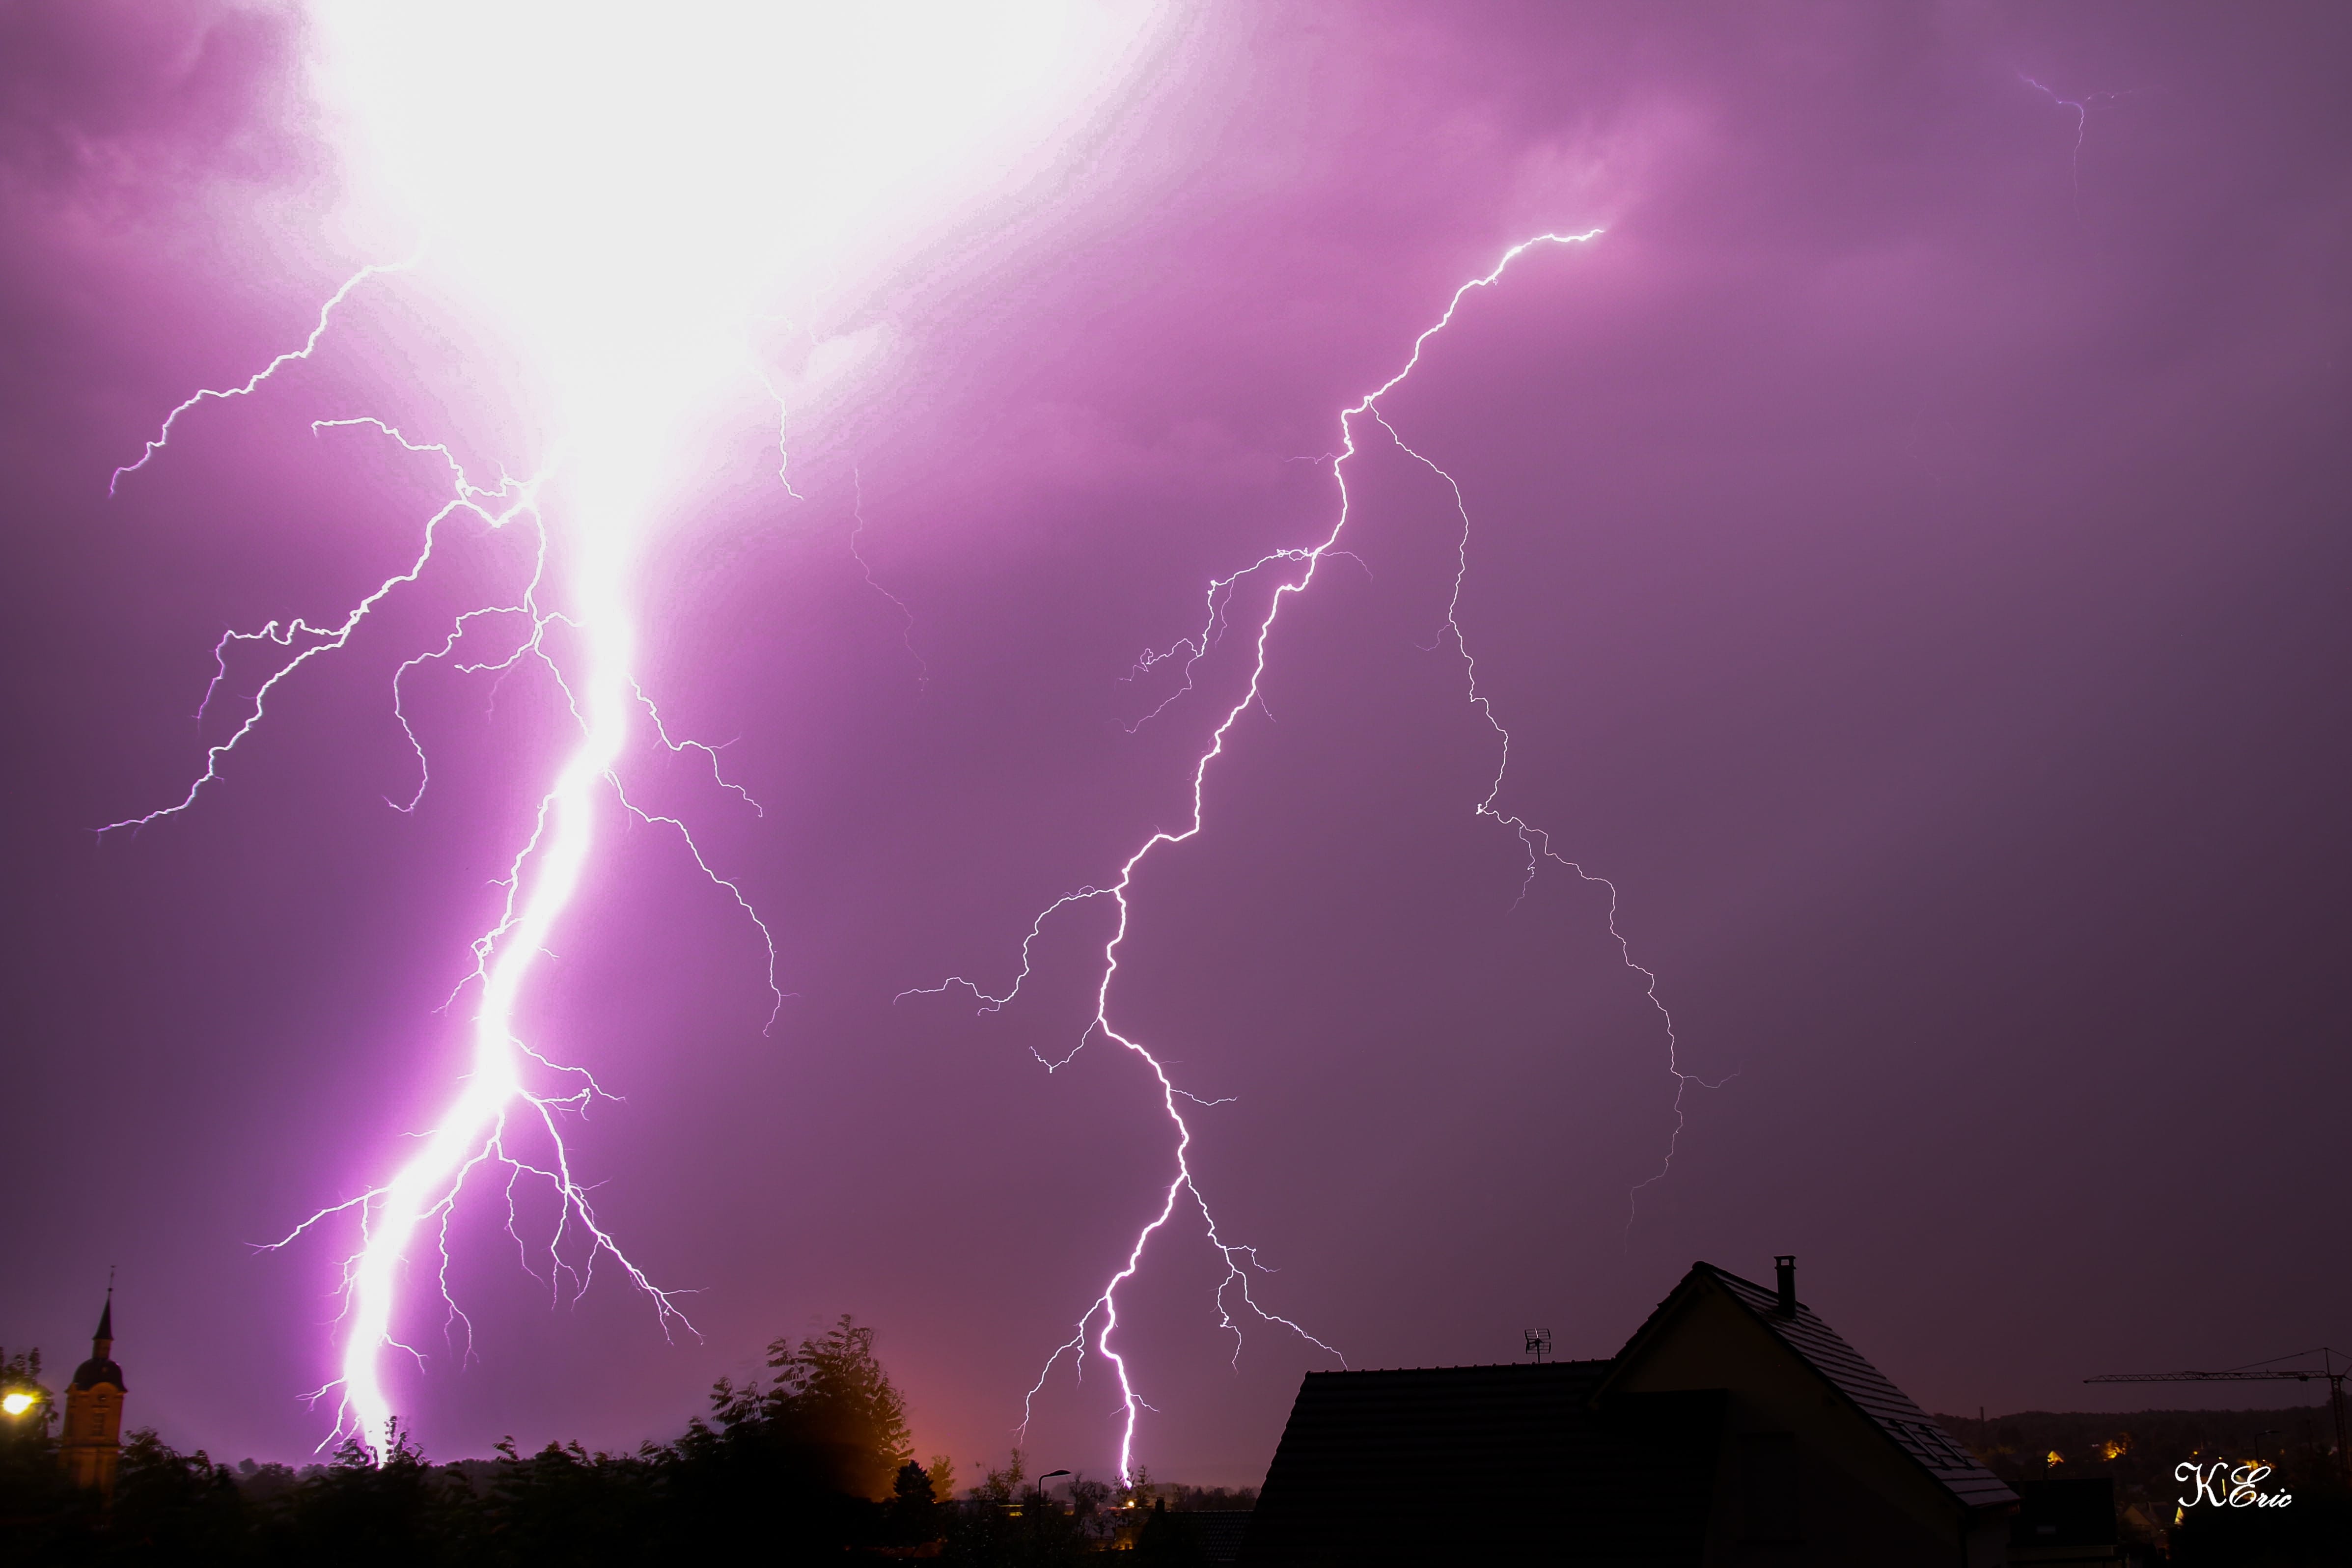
811, 1463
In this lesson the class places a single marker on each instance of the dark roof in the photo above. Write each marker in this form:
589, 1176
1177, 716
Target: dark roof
106, 1319
1193, 1535
95, 1371
1486, 1463
2079, 1511
1219, 1532
1819, 1346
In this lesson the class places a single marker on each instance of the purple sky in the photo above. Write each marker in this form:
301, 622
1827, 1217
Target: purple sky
1908, 554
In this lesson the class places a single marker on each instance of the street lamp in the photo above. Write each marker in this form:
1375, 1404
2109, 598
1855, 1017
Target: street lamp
1048, 1476
17, 1401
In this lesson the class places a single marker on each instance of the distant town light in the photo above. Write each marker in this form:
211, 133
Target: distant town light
17, 1403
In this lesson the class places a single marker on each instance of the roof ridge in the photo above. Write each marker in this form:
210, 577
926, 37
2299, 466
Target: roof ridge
1875, 1397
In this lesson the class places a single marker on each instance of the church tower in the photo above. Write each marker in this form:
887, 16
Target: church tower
93, 1434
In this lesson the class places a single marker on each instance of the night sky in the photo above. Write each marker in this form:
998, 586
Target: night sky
1909, 552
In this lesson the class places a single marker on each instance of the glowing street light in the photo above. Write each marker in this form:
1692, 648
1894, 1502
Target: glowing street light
18, 1401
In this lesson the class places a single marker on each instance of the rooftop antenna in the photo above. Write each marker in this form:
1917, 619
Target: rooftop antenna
1539, 1343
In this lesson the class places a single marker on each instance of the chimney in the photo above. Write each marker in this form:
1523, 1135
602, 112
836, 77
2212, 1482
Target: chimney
1785, 1266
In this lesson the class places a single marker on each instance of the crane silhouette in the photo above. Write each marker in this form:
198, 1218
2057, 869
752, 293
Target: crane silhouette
2269, 1371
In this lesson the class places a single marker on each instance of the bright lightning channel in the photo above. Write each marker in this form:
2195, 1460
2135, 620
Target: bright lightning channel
1097, 1325
620, 195
478, 1126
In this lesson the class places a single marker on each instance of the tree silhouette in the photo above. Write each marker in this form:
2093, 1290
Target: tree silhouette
811, 1463
832, 1398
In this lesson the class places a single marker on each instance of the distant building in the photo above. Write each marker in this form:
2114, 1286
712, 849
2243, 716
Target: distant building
93, 1435
1734, 1428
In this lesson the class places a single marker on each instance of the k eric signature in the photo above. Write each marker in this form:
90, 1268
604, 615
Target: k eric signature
2222, 1485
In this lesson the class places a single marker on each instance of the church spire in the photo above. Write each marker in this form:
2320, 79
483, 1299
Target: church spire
92, 1440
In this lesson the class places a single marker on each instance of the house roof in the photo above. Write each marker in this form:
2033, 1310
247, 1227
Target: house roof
1219, 1532
1485, 1464
1866, 1388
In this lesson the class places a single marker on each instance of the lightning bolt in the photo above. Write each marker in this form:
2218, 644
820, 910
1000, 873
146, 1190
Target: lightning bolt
906, 616
513, 1098
618, 194
163, 437
2081, 108
1099, 1321
1537, 841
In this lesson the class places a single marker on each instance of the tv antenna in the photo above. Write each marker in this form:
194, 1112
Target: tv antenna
1539, 1343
